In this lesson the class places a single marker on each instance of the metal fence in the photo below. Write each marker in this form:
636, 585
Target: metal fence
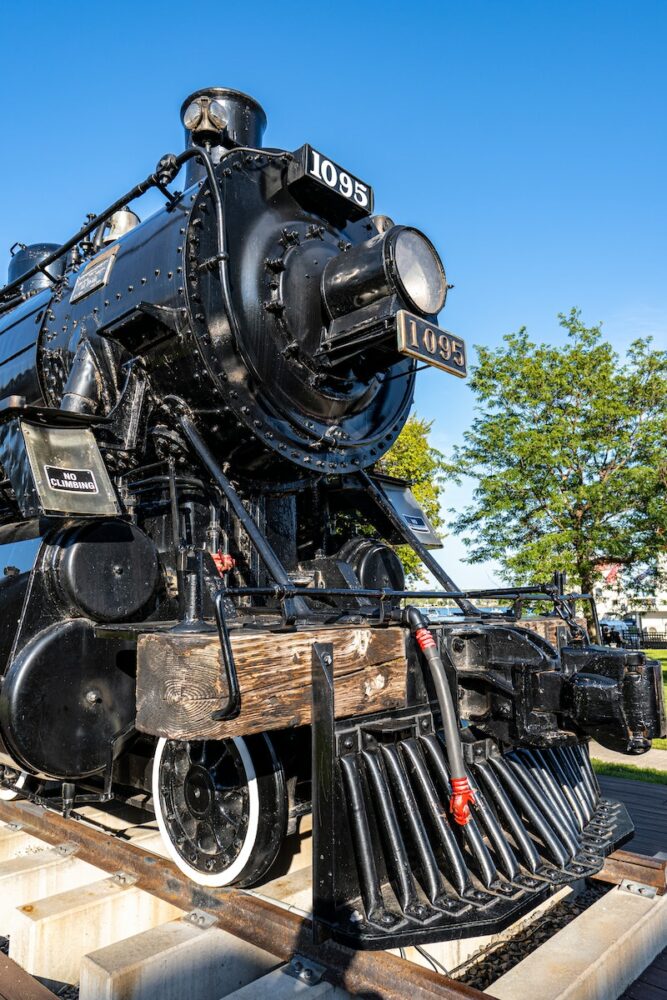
653, 640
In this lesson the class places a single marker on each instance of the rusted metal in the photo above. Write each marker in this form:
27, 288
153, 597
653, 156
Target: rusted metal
375, 975
637, 868
17, 984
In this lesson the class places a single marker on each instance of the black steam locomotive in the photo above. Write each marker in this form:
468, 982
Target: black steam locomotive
202, 607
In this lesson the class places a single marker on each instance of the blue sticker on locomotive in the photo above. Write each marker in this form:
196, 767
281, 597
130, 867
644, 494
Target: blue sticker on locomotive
70, 480
416, 523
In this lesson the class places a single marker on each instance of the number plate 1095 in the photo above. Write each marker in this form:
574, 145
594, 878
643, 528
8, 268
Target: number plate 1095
429, 343
336, 179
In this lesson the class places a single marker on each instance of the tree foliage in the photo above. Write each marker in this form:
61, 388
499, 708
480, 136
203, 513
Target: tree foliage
569, 448
412, 457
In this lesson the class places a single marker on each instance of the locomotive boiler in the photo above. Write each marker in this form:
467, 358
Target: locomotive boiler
202, 606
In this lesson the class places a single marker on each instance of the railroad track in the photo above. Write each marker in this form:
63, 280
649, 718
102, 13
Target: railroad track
83, 906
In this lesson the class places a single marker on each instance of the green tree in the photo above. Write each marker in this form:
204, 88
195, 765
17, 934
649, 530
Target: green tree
412, 457
569, 449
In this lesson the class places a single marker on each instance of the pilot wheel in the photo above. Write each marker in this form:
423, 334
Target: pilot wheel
221, 807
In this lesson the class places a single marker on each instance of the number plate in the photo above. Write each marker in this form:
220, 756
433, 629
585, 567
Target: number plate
429, 343
324, 182
337, 179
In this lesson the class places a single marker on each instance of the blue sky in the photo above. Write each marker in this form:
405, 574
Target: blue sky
526, 138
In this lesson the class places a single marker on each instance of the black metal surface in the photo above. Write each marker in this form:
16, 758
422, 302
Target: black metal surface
26, 258
106, 570
19, 336
274, 566
325, 802
268, 374
617, 695
245, 122
61, 723
376, 565
231, 680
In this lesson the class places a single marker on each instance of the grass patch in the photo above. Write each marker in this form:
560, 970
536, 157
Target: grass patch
660, 654
630, 771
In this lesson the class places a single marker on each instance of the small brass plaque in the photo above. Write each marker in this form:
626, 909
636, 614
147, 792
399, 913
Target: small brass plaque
429, 343
94, 275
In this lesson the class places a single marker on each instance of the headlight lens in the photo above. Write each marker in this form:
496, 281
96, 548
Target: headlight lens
192, 115
216, 114
419, 271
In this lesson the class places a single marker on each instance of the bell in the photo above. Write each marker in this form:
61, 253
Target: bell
121, 222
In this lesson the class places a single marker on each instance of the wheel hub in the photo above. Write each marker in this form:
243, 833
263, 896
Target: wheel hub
199, 791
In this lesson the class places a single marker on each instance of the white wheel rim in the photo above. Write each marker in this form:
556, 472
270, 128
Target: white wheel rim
234, 870
8, 794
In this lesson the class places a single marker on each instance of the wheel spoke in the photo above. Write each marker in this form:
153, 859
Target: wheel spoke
181, 762
205, 839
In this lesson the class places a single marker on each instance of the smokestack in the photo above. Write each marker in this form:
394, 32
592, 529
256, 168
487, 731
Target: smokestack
218, 119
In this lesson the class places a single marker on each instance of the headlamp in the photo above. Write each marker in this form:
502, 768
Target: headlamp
204, 114
400, 261
417, 270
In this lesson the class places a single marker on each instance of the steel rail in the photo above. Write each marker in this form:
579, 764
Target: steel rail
621, 865
376, 975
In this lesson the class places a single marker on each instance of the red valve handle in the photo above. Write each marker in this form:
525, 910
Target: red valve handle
223, 562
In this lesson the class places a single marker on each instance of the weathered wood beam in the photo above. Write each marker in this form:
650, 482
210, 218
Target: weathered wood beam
181, 681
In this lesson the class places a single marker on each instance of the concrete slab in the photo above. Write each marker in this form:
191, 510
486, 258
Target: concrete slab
50, 936
13, 842
32, 876
278, 985
596, 956
170, 962
293, 890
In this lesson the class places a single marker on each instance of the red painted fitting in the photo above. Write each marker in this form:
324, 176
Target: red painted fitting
462, 794
223, 562
424, 639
